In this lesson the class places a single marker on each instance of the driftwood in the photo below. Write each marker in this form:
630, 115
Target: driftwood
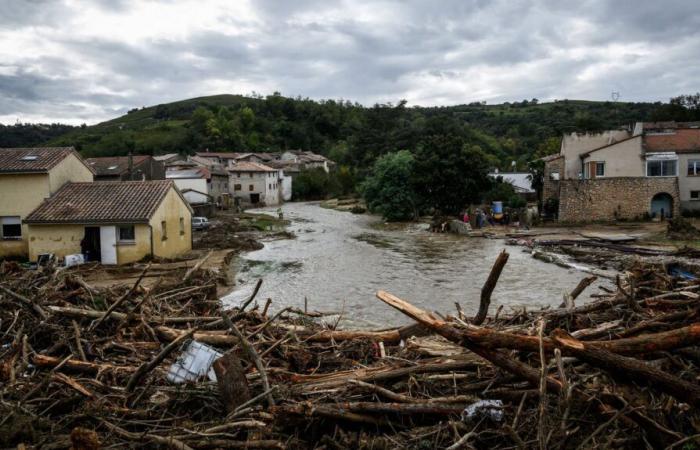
150, 365
233, 385
489, 286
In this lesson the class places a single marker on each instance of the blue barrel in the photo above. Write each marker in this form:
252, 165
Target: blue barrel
497, 208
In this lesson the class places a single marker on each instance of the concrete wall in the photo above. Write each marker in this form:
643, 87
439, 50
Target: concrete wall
70, 169
217, 186
128, 252
171, 210
286, 183
607, 199
687, 183
20, 195
574, 144
260, 181
625, 159
58, 239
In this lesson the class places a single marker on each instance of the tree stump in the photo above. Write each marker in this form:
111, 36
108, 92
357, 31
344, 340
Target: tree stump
233, 385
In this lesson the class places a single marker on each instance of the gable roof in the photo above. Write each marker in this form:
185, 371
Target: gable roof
222, 155
114, 165
245, 166
106, 202
682, 140
34, 160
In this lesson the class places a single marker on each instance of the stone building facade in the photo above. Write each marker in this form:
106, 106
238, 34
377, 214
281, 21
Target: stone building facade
553, 173
622, 198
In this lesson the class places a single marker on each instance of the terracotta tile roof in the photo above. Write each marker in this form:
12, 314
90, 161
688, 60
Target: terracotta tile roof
114, 165
682, 140
33, 160
107, 202
245, 166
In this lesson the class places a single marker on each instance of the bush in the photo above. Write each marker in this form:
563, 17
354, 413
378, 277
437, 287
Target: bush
388, 189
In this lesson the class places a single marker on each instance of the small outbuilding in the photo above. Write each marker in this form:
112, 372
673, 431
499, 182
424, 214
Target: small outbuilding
112, 222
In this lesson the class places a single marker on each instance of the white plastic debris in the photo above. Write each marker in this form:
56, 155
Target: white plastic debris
492, 409
194, 362
74, 260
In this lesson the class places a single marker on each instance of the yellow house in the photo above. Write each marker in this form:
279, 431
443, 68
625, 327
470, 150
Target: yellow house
27, 177
115, 222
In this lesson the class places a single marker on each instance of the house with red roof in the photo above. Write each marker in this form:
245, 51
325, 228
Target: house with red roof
651, 169
27, 177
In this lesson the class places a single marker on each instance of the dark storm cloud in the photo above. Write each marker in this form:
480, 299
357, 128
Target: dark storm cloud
77, 61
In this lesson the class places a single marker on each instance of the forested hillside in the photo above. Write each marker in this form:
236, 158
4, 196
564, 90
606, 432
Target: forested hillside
347, 132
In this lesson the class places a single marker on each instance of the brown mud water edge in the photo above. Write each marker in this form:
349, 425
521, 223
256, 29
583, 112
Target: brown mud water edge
85, 367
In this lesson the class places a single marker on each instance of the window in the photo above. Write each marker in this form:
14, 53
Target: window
182, 226
126, 234
251, 174
695, 195
164, 230
11, 227
269, 186
693, 167
238, 174
237, 187
661, 168
600, 169
251, 188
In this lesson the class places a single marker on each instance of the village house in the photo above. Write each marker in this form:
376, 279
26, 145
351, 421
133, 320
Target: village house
112, 222
27, 177
255, 183
648, 170
167, 158
201, 185
127, 168
308, 159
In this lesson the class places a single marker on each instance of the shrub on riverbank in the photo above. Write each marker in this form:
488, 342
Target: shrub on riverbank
388, 190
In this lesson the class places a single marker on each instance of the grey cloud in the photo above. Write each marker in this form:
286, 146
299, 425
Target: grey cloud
364, 51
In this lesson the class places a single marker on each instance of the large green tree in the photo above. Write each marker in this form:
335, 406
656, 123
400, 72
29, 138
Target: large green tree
388, 189
449, 173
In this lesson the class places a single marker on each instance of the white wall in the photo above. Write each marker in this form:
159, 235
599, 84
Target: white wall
286, 188
197, 184
687, 183
574, 144
622, 160
266, 184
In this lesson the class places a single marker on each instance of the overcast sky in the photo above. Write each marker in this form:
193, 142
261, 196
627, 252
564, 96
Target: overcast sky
87, 61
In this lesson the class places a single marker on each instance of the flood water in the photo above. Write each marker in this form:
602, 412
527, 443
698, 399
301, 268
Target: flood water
339, 260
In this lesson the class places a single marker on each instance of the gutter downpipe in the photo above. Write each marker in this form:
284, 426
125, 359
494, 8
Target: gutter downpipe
150, 228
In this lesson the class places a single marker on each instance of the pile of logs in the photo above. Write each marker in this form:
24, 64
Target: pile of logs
85, 368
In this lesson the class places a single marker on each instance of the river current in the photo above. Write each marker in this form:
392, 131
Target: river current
339, 260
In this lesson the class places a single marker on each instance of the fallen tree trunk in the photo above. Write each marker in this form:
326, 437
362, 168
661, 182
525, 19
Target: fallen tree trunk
630, 368
81, 366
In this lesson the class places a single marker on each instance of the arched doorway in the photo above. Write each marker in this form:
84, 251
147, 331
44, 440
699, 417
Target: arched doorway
662, 205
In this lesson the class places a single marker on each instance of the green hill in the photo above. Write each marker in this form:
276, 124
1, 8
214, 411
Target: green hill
346, 131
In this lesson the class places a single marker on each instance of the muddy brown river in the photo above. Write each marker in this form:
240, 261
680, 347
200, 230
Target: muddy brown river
339, 260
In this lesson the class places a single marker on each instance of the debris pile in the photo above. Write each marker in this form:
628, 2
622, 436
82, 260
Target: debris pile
168, 367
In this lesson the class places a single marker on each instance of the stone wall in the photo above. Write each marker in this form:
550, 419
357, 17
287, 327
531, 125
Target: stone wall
550, 188
606, 199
